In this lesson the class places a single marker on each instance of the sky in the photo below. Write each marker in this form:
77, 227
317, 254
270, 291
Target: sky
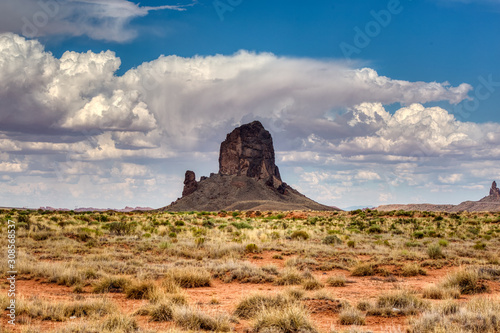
106, 103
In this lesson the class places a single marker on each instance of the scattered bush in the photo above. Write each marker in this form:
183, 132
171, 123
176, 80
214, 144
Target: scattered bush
336, 281
332, 239
312, 284
189, 277
351, 316
435, 251
289, 276
363, 270
412, 270
300, 234
193, 319
292, 318
112, 284
250, 306
466, 280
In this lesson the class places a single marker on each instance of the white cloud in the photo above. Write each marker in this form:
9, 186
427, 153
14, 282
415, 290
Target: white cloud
327, 119
98, 19
450, 179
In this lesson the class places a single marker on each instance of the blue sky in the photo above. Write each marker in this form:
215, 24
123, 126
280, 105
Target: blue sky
369, 102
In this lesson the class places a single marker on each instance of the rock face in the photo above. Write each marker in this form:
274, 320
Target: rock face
248, 151
494, 191
190, 183
248, 179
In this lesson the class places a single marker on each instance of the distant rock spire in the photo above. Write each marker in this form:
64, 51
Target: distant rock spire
494, 191
190, 183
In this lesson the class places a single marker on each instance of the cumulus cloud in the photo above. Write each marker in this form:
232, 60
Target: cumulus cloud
98, 19
74, 117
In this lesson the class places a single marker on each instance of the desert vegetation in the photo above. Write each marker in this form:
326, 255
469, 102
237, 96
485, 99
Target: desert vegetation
255, 271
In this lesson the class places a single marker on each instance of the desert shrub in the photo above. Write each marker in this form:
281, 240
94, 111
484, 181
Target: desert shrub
250, 306
300, 234
351, 244
435, 251
244, 272
363, 270
193, 319
312, 284
336, 281
288, 319
364, 306
289, 276
443, 242
374, 229
332, 239
412, 270
40, 235
351, 316
141, 290
4, 301
438, 292
241, 225
251, 248
189, 277
121, 228
111, 284
418, 234
405, 302
120, 323
479, 246
161, 312
466, 280
477, 315
45, 310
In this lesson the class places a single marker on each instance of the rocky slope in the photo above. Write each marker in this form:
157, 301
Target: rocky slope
248, 179
490, 203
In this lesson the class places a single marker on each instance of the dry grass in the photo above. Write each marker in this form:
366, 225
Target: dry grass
289, 276
363, 270
287, 319
112, 284
468, 281
336, 281
439, 292
479, 315
189, 277
412, 270
250, 306
194, 319
351, 316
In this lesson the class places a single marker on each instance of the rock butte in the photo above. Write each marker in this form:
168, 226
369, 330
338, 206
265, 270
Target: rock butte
248, 179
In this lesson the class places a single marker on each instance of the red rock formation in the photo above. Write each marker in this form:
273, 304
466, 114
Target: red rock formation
190, 183
494, 191
248, 151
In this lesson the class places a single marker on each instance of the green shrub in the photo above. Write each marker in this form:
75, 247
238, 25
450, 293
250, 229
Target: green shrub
435, 251
300, 234
251, 248
332, 239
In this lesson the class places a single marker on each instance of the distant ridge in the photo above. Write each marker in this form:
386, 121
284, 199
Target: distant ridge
490, 203
248, 179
